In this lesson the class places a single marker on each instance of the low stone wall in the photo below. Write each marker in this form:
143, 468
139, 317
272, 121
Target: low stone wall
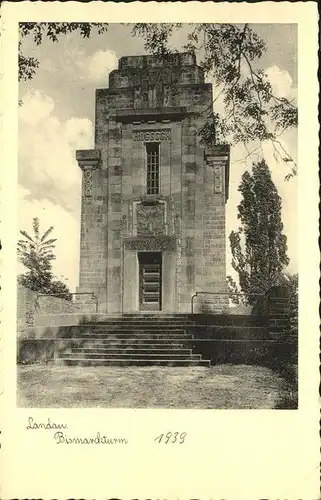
56, 332
38, 351
33, 308
275, 305
204, 303
44, 344
46, 320
26, 309
54, 305
44, 350
240, 310
264, 338
264, 352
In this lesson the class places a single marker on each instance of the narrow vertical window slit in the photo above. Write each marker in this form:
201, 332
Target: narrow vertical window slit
152, 152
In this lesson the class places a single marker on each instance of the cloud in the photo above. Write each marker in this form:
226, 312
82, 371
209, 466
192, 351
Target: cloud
78, 132
66, 230
96, 67
47, 165
100, 64
50, 179
36, 107
282, 83
92, 69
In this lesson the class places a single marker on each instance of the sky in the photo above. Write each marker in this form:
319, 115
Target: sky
57, 117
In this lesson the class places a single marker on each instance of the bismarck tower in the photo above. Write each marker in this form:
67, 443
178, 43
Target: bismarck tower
153, 198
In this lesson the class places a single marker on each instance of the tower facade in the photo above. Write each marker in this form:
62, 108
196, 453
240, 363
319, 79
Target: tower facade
153, 198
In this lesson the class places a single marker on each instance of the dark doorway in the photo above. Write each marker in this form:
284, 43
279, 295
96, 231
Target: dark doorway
150, 281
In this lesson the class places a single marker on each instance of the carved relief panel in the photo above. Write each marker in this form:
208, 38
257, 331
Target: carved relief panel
150, 219
217, 166
155, 89
88, 182
166, 95
217, 158
137, 98
218, 181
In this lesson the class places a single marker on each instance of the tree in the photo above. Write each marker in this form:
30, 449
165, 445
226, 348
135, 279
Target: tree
259, 247
229, 54
53, 31
36, 254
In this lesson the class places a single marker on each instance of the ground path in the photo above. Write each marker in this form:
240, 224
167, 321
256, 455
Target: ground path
218, 387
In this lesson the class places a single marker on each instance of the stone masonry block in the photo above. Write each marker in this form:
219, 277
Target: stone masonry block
114, 161
115, 188
116, 170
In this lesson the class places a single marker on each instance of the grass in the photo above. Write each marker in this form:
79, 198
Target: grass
218, 387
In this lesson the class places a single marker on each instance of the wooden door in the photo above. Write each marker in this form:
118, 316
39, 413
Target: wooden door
150, 281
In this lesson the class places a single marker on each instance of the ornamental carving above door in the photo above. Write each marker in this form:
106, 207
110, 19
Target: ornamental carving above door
150, 219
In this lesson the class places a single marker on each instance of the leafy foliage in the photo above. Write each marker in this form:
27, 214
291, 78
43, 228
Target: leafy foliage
156, 36
228, 54
53, 31
235, 294
27, 66
259, 247
36, 254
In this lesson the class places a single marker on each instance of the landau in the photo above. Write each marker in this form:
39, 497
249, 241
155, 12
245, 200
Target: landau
47, 426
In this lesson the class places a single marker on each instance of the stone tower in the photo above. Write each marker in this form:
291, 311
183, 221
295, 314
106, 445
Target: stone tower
153, 198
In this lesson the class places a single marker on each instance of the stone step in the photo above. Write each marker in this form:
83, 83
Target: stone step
138, 343
229, 332
136, 350
228, 320
137, 335
146, 315
170, 341
75, 331
134, 327
183, 319
131, 356
134, 333
151, 321
132, 362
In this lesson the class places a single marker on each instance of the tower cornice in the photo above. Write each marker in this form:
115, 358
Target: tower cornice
88, 158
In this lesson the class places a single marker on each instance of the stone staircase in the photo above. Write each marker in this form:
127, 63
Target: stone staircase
140, 340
